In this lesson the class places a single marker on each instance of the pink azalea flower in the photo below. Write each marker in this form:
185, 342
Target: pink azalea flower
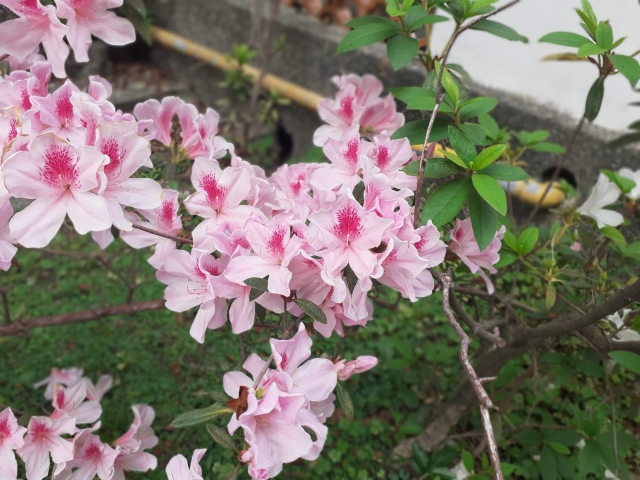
361, 364
7, 249
37, 23
178, 467
11, 438
44, 438
340, 114
381, 117
379, 197
426, 241
127, 153
69, 402
91, 17
390, 156
60, 179
187, 279
464, 244
92, 458
346, 166
218, 198
97, 391
66, 377
154, 118
349, 234
274, 248
59, 115
131, 445
401, 265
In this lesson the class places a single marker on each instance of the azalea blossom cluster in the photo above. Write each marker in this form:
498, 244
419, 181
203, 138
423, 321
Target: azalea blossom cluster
38, 23
76, 452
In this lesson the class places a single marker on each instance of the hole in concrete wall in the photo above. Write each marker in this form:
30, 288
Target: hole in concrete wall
285, 143
138, 51
564, 174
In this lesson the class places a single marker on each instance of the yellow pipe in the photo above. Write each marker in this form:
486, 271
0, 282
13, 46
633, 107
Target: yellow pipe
300, 95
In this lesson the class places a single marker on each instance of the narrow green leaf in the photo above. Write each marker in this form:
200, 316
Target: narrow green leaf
203, 415
475, 132
345, 401
489, 125
463, 146
629, 360
590, 49
506, 173
589, 25
417, 129
594, 99
257, 283
409, 94
547, 464
617, 43
455, 159
589, 458
450, 86
483, 219
428, 103
138, 6
588, 11
467, 460
488, 156
625, 140
401, 49
358, 193
625, 184
565, 39
558, 447
548, 147
627, 66
367, 19
604, 35
440, 168
219, 396
511, 240
366, 35
476, 107
491, 191
139, 22
499, 30
446, 202
416, 17
527, 240
221, 437
311, 309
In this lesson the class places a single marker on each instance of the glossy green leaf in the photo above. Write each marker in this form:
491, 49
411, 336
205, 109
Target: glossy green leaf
499, 30
589, 457
409, 94
450, 86
345, 401
625, 140
505, 172
440, 168
428, 102
417, 17
627, 66
604, 35
489, 125
588, 11
614, 234
548, 147
467, 460
617, 43
625, 184
258, 287
138, 6
475, 132
488, 156
491, 191
565, 39
368, 19
547, 464
629, 360
589, 25
446, 202
401, 49
589, 49
483, 219
455, 159
477, 106
311, 309
527, 240
464, 147
202, 415
366, 35
594, 99
221, 437
416, 130
511, 240
558, 447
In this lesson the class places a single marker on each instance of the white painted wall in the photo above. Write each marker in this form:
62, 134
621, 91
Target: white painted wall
516, 67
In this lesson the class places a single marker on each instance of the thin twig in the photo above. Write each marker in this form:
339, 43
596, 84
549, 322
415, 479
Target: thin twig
5, 306
438, 98
475, 327
483, 398
263, 371
165, 235
132, 275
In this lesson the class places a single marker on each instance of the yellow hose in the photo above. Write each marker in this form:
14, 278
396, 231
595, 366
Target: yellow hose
300, 95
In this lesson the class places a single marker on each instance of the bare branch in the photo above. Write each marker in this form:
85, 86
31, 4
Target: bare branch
165, 235
475, 327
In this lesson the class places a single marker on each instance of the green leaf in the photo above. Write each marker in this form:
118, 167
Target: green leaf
488, 156
368, 19
455, 159
547, 464
629, 360
491, 191
475, 132
624, 184
505, 172
417, 129
221, 437
401, 49
489, 125
258, 287
589, 457
499, 30
311, 309
467, 460
506, 259
138, 21
568, 438
462, 145
588, 11
511, 240
138, 6
476, 107
345, 401
409, 94
625, 140
203, 415
406, 5
527, 240
604, 35
529, 438
483, 219
594, 99
450, 86
548, 147
428, 102
558, 447
590, 49
440, 168
565, 39
219, 396
445, 203
416, 17
615, 235
366, 35
627, 66
590, 425
617, 43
